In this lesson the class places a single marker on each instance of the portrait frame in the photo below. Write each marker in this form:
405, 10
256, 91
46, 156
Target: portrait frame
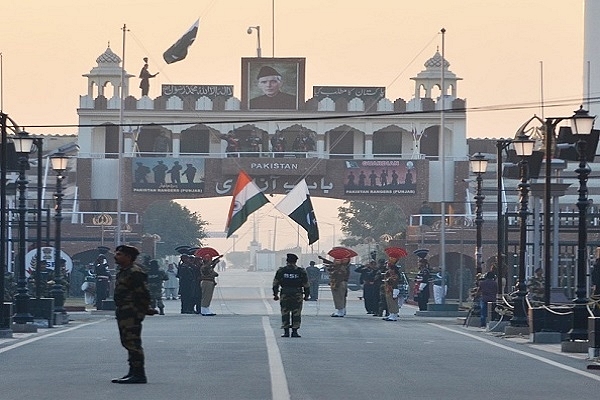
292, 71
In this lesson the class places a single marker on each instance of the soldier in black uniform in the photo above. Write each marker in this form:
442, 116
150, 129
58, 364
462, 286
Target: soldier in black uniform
103, 279
132, 301
370, 289
187, 283
293, 281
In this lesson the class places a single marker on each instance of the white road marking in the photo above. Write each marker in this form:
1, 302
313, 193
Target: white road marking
268, 306
279, 387
35, 339
523, 353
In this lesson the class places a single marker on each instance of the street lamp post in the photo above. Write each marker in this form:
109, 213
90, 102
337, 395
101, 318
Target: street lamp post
4, 323
501, 145
59, 165
258, 49
479, 166
581, 126
23, 143
524, 148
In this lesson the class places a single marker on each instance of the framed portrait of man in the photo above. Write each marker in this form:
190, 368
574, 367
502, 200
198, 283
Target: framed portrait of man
273, 83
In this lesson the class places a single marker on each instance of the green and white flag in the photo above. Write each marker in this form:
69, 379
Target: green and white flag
179, 50
297, 205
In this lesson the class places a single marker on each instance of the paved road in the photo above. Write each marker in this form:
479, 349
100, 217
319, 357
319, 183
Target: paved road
238, 354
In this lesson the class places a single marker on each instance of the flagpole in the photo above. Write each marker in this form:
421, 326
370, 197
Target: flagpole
120, 147
2, 84
443, 156
273, 24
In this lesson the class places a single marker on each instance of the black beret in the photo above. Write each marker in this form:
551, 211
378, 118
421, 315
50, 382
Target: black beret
267, 71
291, 258
129, 250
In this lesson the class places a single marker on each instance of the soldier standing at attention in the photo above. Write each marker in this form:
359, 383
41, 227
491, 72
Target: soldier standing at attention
339, 273
293, 281
187, 283
132, 301
156, 277
208, 282
314, 276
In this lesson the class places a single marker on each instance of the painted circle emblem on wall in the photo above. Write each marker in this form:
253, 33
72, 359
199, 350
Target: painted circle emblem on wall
48, 256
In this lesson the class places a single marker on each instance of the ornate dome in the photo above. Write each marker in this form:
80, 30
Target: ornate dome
436, 61
108, 57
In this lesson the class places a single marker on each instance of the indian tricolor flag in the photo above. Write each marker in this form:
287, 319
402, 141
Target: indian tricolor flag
247, 198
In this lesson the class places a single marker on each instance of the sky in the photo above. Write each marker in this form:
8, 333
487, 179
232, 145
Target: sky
502, 50
496, 47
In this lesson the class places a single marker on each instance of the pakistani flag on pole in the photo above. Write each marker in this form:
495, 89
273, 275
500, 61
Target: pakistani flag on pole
247, 198
179, 50
297, 206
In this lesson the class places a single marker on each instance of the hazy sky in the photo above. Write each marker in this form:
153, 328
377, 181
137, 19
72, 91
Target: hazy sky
496, 47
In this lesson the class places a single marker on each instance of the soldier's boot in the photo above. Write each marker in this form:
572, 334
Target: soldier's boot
391, 317
162, 311
295, 332
138, 376
116, 380
286, 332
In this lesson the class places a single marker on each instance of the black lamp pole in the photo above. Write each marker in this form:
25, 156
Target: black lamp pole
549, 137
581, 126
524, 148
4, 323
59, 165
501, 145
479, 166
23, 147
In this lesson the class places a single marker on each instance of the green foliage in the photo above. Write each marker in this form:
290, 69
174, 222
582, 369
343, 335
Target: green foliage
363, 221
176, 225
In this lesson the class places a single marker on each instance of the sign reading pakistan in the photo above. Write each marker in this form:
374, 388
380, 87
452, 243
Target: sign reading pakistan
393, 177
168, 175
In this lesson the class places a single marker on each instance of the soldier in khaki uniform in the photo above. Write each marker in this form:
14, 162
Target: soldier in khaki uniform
339, 273
156, 277
132, 301
295, 288
208, 282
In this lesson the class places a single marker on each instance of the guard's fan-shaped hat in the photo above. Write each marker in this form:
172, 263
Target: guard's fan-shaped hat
192, 250
342, 252
421, 253
103, 249
395, 252
182, 249
206, 252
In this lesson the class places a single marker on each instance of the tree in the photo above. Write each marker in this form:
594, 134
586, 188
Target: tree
362, 220
176, 225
